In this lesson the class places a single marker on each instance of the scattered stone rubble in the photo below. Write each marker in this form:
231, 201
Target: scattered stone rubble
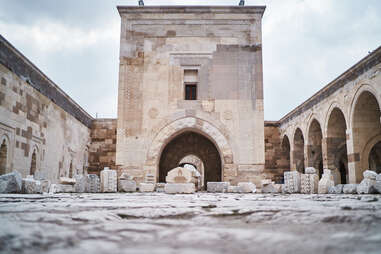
183, 181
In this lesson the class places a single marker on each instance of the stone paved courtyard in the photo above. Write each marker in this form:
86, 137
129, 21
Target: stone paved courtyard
198, 223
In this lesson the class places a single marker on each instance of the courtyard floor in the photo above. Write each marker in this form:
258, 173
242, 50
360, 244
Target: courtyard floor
198, 223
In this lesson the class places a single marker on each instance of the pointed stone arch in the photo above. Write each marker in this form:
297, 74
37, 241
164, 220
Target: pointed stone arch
193, 124
314, 146
4, 154
298, 151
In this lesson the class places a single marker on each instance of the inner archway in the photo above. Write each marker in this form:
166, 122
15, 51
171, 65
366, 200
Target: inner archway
366, 126
337, 157
33, 165
314, 148
375, 158
197, 164
3, 157
191, 143
298, 157
285, 153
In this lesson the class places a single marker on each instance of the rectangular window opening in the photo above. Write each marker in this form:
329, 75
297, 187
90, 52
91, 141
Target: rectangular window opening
190, 84
191, 91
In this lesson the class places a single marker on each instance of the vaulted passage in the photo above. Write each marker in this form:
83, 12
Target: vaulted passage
3, 157
285, 159
299, 151
375, 158
366, 131
337, 157
314, 148
191, 143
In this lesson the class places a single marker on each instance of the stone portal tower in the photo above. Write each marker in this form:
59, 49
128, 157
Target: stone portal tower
190, 83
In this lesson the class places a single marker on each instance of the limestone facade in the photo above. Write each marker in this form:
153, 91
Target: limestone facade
43, 132
217, 49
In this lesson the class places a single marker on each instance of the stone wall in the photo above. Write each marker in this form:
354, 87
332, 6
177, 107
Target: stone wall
40, 137
102, 150
339, 127
275, 163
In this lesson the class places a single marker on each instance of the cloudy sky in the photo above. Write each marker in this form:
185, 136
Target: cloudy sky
306, 44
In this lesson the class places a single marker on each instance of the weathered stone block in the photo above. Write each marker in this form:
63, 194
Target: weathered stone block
310, 170
326, 182
31, 186
367, 186
368, 174
378, 178
292, 182
126, 185
309, 183
45, 186
93, 184
64, 188
108, 180
146, 187
180, 188
80, 183
160, 187
377, 186
11, 183
272, 188
234, 189
149, 178
247, 187
350, 189
338, 189
67, 180
179, 175
217, 187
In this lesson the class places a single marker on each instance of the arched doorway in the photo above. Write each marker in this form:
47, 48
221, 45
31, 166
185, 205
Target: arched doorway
366, 125
3, 157
191, 143
285, 153
33, 165
375, 158
299, 151
71, 170
337, 157
314, 148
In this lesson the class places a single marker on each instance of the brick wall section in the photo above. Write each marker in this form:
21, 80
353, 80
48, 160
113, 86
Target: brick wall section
274, 161
103, 145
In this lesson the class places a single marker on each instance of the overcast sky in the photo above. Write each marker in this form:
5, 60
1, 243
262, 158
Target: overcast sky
306, 44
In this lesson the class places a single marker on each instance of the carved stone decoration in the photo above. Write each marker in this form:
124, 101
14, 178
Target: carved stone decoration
228, 115
108, 180
153, 113
292, 182
309, 183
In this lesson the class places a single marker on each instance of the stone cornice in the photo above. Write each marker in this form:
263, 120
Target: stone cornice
192, 9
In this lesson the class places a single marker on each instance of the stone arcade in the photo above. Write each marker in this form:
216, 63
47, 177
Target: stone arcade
190, 92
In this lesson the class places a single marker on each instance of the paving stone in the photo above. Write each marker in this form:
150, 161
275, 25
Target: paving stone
11, 183
126, 185
109, 181
338, 189
31, 186
217, 187
247, 187
310, 170
93, 184
367, 186
179, 188
309, 183
350, 189
292, 182
369, 174
146, 187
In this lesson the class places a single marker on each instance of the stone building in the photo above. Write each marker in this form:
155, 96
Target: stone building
190, 82
190, 91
